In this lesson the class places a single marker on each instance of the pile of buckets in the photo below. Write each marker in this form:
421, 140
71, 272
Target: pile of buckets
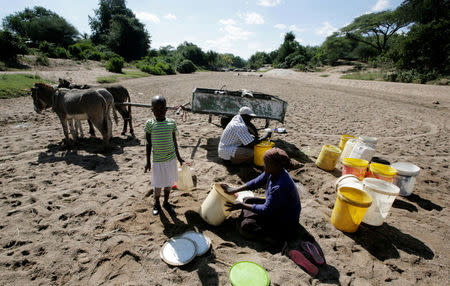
367, 189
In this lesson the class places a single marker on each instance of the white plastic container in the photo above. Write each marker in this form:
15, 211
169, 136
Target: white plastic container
370, 141
362, 150
348, 181
383, 195
348, 148
405, 177
185, 182
213, 209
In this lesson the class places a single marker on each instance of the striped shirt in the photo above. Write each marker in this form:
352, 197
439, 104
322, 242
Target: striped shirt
235, 134
162, 138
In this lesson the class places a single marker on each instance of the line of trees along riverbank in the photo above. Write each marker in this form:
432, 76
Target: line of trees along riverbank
409, 43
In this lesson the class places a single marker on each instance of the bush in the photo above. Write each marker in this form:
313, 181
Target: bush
76, 51
93, 55
10, 46
152, 70
115, 64
42, 60
186, 66
53, 52
167, 68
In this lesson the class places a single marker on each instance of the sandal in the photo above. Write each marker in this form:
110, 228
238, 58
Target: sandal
303, 262
156, 209
312, 250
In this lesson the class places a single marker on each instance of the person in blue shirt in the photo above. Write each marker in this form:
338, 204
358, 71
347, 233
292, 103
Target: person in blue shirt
278, 214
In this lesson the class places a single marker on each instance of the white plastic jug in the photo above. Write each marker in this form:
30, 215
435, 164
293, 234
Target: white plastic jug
383, 195
185, 182
362, 150
213, 209
348, 148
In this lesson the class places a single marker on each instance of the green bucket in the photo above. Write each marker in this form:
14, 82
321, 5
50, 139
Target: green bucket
247, 273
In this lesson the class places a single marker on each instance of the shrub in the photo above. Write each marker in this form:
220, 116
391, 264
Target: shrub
115, 64
76, 51
167, 68
10, 46
93, 55
42, 60
186, 66
152, 70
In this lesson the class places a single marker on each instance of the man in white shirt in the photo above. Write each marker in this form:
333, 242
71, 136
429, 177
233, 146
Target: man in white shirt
239, 137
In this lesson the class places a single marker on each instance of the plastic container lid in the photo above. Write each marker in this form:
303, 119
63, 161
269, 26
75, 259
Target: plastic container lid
178, 251
369, 140
355, 197
382, 169
247, 273
406, 169
244, 194
202, 242
381, 187
354, 162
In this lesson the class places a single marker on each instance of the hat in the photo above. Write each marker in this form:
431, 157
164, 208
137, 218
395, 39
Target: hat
245, 110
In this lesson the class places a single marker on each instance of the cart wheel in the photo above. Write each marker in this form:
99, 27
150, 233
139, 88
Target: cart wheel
224, 121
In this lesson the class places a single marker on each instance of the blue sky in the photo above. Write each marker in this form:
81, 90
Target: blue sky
226, 26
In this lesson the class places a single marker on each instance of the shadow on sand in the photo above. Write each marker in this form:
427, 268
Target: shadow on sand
95, 161
384, 241
228, 232
423, 203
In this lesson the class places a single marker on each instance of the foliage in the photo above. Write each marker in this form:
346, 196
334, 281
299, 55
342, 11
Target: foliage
126, 74
257, 60
116, 26
157, 65
51, 51
115, 64
39, 24
15, 85
84, 49
186, 66
10, 46
42, 60
193, 53
375, 29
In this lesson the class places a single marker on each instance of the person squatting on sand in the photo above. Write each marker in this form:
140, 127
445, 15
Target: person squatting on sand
161, 136
238, 138
276, 216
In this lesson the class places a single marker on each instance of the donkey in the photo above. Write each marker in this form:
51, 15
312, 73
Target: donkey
120, 95
75, 105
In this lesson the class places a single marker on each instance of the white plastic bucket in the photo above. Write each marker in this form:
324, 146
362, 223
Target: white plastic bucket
383, 195
348, 181
348, 148
371, 141
405, 177
362, 150
213, 209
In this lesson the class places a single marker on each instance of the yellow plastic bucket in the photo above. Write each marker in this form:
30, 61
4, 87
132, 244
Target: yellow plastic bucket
382, 172
344, 139
258, 152
349, 208
355, 167
328, 157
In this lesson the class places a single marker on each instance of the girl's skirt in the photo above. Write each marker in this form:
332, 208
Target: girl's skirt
164, 174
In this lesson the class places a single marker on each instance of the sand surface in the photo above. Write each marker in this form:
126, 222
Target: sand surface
82, 217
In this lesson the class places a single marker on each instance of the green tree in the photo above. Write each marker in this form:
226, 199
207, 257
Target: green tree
39, 24
337, 47
10, 46
375, 29
258, 59
193, 53
117, 27
128, 38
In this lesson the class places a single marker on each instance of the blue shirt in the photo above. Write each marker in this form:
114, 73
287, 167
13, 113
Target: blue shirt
282, 203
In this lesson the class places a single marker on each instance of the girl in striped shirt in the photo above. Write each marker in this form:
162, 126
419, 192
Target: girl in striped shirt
160, 134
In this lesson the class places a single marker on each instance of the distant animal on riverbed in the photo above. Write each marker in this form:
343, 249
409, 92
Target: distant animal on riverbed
120, 95
69, 105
